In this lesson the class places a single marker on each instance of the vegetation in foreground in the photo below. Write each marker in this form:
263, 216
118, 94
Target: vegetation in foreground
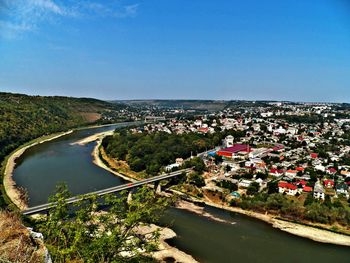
84, 233
16, 243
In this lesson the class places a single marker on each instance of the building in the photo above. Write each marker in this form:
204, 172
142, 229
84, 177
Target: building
328, 183
287, 188
244, 183
319, 191
234, 150
343, 189
228, 141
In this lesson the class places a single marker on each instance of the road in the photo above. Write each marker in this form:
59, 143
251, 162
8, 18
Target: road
115, 189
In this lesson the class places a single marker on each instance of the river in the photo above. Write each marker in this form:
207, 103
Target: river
243, 239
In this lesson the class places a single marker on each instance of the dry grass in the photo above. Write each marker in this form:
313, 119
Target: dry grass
16, 244
91, 116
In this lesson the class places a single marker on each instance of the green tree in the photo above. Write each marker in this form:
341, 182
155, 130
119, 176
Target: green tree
196, 179
82, 232
272, 187
253, 188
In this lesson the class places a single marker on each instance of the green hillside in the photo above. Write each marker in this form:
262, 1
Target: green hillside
23, 118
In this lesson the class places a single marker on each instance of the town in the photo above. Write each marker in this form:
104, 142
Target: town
299, 150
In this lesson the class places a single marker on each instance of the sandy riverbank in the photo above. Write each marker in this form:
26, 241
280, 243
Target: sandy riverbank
309, 232
97, 160
165, 251
92, 138
9, 184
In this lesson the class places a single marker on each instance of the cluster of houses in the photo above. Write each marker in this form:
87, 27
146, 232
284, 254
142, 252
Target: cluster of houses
289, 152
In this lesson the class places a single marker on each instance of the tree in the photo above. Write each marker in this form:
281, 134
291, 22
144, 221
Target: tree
272, 187
82, 232
309, 199
196, 179
253, 188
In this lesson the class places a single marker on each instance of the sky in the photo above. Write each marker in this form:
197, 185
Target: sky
296, 50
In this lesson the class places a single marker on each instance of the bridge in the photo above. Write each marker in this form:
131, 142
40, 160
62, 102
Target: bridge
45, 207
154, 118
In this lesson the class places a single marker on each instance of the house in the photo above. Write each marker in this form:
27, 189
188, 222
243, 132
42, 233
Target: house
291, 173
179, 161
307, 189
276, 172
203, 130
171, 166
343, 189
346, 173
287, 188
279, 131
228, 141
314, 155
331, 170
328, 183
300, 169
319, 191
244, 183
233, 150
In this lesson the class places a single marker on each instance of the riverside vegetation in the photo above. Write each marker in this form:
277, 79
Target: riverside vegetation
150, 152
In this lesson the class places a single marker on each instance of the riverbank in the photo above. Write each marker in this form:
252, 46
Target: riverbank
306, 231
11, 189
99, 162
165, 252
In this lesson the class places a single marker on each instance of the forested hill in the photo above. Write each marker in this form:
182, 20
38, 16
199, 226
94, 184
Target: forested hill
23, 118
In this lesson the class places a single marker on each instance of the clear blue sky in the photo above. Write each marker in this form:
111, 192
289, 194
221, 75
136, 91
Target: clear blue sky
169, 49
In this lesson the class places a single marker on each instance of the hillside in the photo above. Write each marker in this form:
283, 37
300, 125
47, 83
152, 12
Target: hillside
23, 118
201, 105
16, 242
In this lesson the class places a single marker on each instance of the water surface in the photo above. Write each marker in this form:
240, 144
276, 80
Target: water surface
247, 240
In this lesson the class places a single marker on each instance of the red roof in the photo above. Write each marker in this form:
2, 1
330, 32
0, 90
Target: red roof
276, 171
314, 155
300, 169
332, 170
327, 182
278, 147
307, 189
302, 182
234, 149
204, 130
287, 185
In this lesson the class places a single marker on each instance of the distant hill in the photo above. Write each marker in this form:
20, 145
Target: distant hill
210, 105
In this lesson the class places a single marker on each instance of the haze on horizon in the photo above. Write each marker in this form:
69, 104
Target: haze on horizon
135, 49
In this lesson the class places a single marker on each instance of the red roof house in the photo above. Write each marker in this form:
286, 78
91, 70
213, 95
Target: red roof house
314, 155
328, 183
331, 170
236, 148
307, 189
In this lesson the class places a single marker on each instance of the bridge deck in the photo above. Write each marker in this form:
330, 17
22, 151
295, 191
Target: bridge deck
115, 189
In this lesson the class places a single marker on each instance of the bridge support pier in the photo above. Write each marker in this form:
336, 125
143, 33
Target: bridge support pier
157, 187
129, 197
